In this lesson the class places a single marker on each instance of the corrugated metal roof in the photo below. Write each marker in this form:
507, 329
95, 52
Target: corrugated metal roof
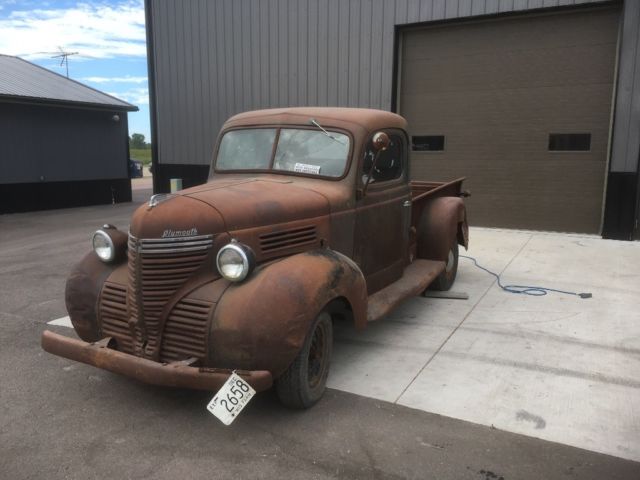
25, 80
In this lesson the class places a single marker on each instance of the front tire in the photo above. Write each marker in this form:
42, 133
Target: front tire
446, 279
304, 382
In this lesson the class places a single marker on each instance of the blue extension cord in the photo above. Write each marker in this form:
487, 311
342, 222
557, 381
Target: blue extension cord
525, 289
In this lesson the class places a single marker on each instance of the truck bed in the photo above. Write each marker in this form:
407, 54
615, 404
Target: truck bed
423, 192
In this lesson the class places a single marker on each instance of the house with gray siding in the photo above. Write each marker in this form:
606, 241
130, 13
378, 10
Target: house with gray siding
62, 143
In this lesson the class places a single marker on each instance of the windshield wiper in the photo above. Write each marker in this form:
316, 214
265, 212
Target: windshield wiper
312, 121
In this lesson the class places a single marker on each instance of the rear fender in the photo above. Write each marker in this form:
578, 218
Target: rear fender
264, 321
443, 222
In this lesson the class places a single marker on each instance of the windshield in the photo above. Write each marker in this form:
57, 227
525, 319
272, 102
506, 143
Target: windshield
298, 150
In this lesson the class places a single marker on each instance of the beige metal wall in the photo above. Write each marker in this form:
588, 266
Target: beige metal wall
496, 89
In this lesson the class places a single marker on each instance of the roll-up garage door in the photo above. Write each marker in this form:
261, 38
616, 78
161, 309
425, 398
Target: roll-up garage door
521, 106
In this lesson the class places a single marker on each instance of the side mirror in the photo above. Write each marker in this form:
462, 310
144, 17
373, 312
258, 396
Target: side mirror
381, 141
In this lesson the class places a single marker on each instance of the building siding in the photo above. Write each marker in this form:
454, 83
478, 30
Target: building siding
626, 135
213, 60
54, 144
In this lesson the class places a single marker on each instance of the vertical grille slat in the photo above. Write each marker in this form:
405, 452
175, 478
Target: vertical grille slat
113, 313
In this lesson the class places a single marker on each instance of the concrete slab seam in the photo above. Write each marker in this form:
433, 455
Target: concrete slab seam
429, 360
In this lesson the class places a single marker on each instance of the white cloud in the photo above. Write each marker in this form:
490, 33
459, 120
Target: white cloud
137, 96
94, 30
125, 79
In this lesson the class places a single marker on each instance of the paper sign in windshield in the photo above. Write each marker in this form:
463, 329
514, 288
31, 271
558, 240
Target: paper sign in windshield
306, 168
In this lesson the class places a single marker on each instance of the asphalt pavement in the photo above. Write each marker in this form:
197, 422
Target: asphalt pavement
60, 419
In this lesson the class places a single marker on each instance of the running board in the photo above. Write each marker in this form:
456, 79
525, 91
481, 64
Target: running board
449, 295
415, 279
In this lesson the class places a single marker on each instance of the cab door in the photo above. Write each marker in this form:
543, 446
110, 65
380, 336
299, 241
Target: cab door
383, 213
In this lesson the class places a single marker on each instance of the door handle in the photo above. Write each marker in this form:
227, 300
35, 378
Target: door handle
407, 203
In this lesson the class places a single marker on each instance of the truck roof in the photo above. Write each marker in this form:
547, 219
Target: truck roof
366, 118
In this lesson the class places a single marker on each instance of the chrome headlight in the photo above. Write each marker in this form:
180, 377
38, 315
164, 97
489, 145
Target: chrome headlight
103, 246
235, 261
110, 244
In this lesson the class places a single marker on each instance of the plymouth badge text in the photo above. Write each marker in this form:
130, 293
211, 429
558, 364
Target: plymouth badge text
179, 233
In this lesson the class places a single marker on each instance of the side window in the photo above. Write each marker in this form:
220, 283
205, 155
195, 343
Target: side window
389, 164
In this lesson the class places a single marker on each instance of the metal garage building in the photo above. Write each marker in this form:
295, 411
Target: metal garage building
536, 102
62, 143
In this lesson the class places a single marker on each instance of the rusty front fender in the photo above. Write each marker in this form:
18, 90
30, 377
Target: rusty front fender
81, 294
264, 320
443, 222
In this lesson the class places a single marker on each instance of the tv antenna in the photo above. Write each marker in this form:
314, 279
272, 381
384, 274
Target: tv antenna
63, 55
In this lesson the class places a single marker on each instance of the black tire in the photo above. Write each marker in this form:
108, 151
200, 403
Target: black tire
304, 382
446, 279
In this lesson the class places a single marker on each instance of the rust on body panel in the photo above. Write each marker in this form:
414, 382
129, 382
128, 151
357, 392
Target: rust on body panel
162, 312
416, 278
259, 202
265, 320
179, 213
162, 267
438, 229
179, 374
84, 284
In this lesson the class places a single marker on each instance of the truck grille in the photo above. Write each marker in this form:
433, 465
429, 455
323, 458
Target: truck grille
185, 332
285, 239
157, 269
113, 314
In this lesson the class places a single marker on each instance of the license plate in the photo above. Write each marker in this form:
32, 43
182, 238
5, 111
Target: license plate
231, 399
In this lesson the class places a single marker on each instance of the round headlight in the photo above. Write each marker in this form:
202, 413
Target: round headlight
103, 246
235, 261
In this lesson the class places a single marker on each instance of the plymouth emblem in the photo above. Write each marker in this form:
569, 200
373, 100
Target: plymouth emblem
179, 233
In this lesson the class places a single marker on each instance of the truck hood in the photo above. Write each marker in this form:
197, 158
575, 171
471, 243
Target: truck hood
248, 203
176, 216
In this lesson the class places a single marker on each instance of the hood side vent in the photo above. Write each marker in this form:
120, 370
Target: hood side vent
286, 239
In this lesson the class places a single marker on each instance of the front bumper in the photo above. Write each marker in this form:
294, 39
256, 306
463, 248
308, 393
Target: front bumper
177, 374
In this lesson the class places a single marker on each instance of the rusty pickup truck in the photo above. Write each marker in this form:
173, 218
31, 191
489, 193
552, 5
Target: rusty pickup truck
309, 217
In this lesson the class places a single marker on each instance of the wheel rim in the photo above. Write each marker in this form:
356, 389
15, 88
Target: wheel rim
317, 356
451, 260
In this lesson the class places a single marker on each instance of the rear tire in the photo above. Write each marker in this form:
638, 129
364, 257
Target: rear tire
446, 279
304, 382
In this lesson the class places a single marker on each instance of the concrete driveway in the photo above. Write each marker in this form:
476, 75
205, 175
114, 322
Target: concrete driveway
556, 367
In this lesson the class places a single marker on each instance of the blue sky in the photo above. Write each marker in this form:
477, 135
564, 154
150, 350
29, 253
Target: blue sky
109, 37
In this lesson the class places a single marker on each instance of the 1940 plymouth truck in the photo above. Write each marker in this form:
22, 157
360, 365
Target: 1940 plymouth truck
308, 217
